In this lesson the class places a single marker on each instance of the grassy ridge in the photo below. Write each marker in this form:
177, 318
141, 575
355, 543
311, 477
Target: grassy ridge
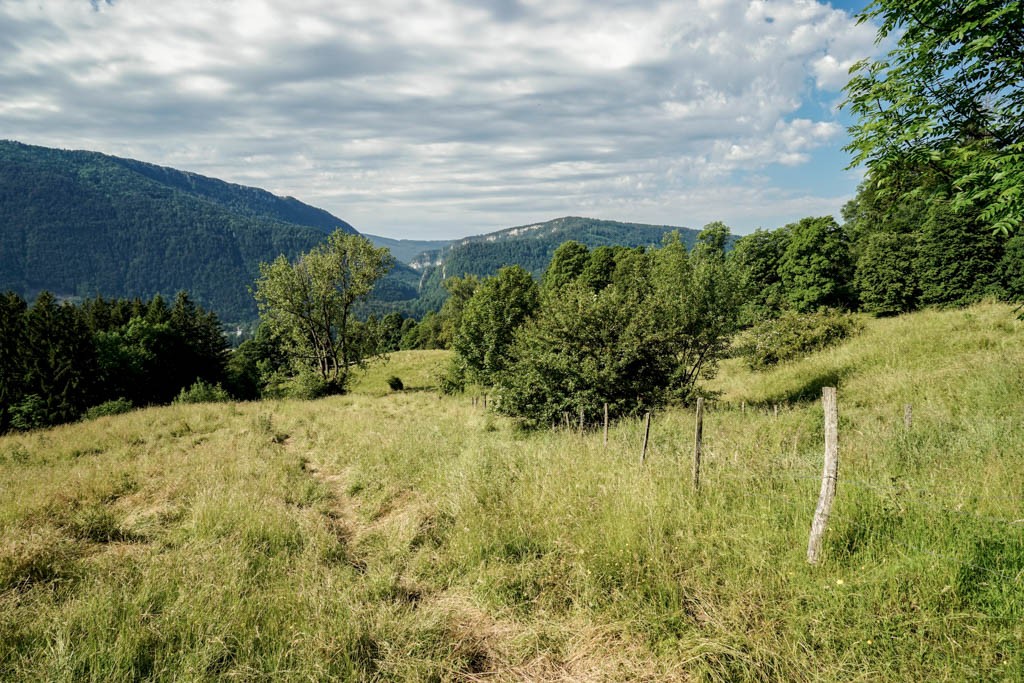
384, 536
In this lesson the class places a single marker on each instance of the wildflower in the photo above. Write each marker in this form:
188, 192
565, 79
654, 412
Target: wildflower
839, 582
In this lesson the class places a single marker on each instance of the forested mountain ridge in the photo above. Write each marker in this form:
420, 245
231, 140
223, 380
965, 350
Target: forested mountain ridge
81, 223
531, 246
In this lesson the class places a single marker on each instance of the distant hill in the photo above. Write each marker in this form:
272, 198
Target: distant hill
530, 246
82, 223
407, 251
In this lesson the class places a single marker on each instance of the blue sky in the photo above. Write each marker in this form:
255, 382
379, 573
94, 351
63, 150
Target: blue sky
443, 118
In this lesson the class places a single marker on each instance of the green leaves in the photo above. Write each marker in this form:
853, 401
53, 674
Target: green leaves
309, 304
948, 96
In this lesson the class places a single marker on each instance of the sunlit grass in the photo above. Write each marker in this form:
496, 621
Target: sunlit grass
405, 536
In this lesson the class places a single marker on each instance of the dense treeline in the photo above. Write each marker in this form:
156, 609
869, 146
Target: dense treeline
58, 360
888, 257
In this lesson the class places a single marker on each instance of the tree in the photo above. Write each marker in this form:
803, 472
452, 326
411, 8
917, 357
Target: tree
816, 268
1011, 269
489, 321
567, 264
956, 259
756, 257
310, 304
636, 344
948, 97
13, 351
885, 280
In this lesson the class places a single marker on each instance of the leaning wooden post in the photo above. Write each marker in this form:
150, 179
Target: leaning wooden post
647, 434
698, 439
908, 415
828, 475
606, 425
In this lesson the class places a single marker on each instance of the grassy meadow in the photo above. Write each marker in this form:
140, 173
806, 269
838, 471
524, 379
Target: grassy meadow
408, 536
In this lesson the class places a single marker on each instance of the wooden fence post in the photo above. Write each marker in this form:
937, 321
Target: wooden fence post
828, 475
698, 445
581, 420
606, 425
647, 433
485, 401
908, 415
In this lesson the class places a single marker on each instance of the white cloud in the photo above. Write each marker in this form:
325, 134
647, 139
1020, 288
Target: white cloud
443, 114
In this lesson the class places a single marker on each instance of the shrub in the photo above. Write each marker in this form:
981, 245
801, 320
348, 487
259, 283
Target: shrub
115, 407
452, 379
30, 413
203, 392
793, 335
395, 383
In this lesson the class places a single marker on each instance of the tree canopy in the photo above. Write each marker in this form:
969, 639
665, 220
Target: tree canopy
310, 304
947, 97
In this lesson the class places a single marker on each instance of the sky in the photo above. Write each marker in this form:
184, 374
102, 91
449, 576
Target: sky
436, 119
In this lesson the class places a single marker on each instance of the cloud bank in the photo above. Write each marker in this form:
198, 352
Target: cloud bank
440, 118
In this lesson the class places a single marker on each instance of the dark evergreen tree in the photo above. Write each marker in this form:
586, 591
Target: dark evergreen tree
13, 347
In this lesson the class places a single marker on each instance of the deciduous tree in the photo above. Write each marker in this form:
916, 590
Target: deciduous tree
310, 304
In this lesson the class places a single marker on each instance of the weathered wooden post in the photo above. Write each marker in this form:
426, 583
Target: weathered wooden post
776, 410
698, 445
606, 425
647, 434
828, 475
581, 420
908, 415
485, 401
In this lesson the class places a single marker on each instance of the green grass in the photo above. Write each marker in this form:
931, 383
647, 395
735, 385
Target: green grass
406, 536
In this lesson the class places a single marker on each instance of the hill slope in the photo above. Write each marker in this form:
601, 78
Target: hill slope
402, 536
81, 223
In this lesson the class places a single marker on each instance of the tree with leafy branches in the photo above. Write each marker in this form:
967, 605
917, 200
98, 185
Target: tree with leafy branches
310, 304
947, 97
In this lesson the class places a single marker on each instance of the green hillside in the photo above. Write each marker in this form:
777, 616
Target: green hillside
83, 223
408, 536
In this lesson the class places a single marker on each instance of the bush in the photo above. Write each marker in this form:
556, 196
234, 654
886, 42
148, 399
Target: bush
203, 392
794, 335
452, 379
30, 413
115, 407
395, 383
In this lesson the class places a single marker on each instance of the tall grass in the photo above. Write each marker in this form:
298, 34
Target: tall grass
406, 536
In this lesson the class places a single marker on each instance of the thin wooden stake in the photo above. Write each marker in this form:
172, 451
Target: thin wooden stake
606, 425
776, 410
828, 475
485, 401
647, 434
743, 407
581, 420
565, 419
698, 445
908, 415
